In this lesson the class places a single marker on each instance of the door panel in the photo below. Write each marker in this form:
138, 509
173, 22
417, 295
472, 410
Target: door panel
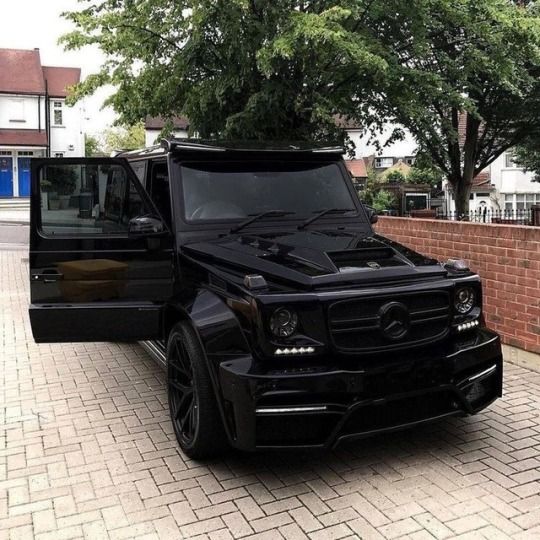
24, 177
131, 322
90, 279
6, 176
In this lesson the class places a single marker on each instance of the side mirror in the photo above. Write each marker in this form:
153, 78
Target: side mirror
372, 214
145, 226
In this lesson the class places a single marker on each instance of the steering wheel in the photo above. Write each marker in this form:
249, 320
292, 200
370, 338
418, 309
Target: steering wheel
217, 210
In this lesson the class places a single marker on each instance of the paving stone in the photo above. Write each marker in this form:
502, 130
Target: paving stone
87, 451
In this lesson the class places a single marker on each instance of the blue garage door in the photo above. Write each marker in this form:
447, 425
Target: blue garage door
6, 177
24, 177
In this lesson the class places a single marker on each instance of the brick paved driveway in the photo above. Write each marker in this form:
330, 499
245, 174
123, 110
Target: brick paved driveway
87, 451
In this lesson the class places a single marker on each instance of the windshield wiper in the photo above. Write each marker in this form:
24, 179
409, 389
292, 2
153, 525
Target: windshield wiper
324, 213
268, 213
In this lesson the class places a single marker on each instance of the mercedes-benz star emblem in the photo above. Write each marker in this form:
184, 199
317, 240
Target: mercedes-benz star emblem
394, 320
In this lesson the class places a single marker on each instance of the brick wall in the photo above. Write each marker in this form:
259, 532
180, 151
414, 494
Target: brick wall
507, 257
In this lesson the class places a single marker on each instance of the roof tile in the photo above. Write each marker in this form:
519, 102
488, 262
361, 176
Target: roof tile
20, 71
22, 137
59, 79
357, 167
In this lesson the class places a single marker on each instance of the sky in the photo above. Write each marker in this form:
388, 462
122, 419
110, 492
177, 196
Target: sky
29, 24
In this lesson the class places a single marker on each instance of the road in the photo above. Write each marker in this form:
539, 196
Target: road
13, 236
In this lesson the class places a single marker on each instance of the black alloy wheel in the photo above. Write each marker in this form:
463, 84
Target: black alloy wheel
183, 399
193, 407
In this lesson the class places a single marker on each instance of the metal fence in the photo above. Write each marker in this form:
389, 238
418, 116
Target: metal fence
509, 217
525, 216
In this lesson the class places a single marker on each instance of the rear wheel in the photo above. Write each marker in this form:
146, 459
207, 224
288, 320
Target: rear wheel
192, 402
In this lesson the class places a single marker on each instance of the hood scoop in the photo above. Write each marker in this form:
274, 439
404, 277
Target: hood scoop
370, 258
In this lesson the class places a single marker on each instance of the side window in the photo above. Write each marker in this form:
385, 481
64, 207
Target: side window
160, 191
139, 168
92, 198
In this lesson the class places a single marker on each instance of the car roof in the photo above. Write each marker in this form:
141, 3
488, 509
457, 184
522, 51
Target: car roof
214, 146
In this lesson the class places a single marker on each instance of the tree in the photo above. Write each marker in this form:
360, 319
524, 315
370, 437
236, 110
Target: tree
425, 175
125, 137
91, 146
383, 200
395, 177
527, 155
248, 69
461, 75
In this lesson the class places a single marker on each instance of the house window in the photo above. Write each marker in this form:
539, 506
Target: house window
59, 154
383, 162
509, 159
520, 201
5, 153
410, 160
16, 110
58, 113
25, 153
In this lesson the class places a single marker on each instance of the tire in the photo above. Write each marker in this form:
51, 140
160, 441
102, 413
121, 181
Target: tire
194, 411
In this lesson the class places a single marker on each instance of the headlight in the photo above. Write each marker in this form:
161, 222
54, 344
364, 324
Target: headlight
283, 322
464, 300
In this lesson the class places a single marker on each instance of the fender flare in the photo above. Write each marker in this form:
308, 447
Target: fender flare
219, 334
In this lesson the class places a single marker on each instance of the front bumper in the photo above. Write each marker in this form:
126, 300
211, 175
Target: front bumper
319, 404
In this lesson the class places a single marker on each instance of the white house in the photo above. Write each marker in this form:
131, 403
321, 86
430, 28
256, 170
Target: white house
154, 125
365, 147
515, 189
34, 118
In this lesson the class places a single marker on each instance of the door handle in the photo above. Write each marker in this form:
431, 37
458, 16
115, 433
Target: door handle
48, 275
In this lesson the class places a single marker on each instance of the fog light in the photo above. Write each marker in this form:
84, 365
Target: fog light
475, 392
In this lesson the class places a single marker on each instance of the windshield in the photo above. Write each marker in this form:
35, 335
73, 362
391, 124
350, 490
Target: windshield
218, 191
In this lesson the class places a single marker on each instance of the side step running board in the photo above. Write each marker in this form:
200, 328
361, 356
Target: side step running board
157, 351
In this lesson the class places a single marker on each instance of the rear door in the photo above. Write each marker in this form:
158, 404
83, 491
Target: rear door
92, 278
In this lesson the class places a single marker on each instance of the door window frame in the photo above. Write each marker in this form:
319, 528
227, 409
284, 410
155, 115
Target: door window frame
39, 163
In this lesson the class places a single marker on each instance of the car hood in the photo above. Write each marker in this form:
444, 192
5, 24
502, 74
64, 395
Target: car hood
312, 259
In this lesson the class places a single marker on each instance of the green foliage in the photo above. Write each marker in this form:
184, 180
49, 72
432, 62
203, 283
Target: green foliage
255, 69
60, 180
425, 175
373, 184
238, 68
91, 146
448, 57
375, 195
395, 177
527, 155
383, 200
125, 137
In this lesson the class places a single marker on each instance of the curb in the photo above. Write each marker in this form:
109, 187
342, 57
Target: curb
521, 358
13, 222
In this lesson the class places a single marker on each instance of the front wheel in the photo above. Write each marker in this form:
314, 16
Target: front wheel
192, 402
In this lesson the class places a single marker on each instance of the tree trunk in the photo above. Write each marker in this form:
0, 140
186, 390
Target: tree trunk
462, 192
463, 187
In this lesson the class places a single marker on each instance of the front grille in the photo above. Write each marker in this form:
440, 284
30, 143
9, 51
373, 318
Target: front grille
355, 325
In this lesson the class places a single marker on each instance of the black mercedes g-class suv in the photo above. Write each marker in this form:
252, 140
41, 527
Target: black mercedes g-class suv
255, 277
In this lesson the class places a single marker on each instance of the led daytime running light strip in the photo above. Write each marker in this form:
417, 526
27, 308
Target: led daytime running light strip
467, 326
295, 350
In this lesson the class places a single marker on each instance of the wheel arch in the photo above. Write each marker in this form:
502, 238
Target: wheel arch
219, 334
